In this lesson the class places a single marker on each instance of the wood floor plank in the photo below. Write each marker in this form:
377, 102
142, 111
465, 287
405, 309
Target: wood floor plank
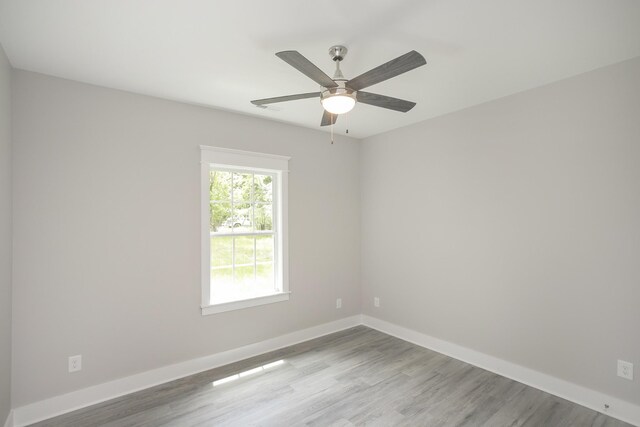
356, 377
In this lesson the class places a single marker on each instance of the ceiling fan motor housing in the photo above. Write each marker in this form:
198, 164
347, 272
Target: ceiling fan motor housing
341, 90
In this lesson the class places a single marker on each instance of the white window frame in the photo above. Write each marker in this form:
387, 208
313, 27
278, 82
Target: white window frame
226, 158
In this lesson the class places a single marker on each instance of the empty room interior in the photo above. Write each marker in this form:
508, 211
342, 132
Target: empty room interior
338, 213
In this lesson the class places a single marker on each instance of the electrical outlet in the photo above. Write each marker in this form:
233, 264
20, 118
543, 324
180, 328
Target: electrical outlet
339, 303
75, 363
376, 302
625, 369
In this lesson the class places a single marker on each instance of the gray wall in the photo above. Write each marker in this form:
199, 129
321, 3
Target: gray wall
513, 227
106, 226
5, 236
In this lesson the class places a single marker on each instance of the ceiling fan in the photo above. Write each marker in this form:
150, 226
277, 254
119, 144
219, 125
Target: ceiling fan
339, 95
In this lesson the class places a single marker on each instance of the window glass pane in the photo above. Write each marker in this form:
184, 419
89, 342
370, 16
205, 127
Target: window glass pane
264, 216
242, 183
221, 252
244, 277
222, 281
219, 215
244, 268
262, 188
264, 263
264, 248
242, 220
244, 259
221, 269
219, 186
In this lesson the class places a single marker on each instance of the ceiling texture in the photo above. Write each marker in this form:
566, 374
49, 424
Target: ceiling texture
222, 54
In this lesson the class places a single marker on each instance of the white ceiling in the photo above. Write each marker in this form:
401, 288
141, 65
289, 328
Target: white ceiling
221, 53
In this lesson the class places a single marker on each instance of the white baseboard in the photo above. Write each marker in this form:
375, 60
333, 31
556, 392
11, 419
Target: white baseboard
78, 399
9, 421
618, 408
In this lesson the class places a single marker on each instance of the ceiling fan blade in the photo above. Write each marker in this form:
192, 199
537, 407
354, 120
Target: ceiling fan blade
285, 98
395, 67
328, 118
385, 101
306, 67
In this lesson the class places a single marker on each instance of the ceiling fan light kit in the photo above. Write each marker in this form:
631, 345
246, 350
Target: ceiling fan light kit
338, 100
339, 95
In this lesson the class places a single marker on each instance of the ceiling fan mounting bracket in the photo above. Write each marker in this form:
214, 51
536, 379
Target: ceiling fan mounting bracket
337, 52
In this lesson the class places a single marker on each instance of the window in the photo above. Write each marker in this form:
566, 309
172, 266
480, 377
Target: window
244, 229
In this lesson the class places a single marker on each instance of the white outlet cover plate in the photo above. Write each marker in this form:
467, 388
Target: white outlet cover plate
625, 369
75, 363
339, 303
376, 302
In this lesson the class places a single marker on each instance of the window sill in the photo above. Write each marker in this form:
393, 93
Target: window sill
245, 303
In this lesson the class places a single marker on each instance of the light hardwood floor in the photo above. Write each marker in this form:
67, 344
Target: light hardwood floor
355, 377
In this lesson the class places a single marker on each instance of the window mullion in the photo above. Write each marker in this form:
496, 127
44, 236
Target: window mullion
253, 224
275, 222
233, 239
253, 203
233, 260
